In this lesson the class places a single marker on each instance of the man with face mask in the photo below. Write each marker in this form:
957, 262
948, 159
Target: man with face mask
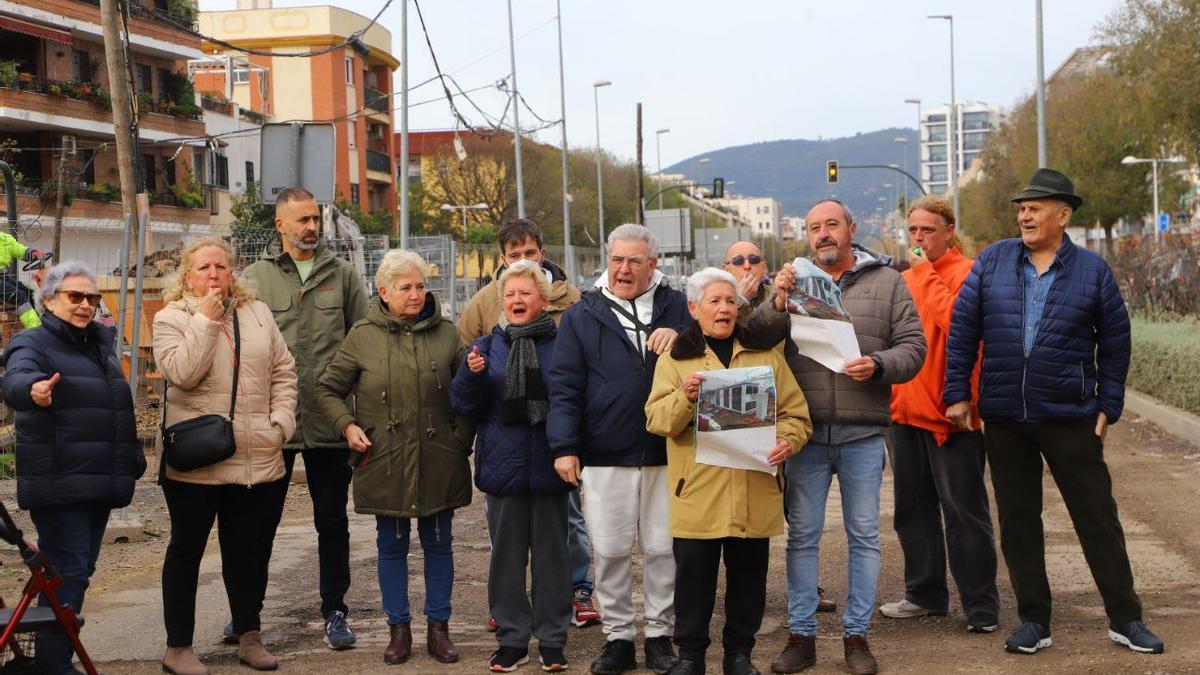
608, 345
315, 298
850, 413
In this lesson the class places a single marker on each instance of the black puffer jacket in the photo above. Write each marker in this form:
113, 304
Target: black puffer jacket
83, 448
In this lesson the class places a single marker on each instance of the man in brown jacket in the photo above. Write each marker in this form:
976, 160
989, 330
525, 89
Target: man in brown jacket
851, 413
521, 239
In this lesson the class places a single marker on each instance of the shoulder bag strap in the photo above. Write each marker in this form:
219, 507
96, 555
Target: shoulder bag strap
237, 361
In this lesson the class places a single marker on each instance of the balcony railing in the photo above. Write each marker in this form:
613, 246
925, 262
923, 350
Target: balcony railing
377, 101
79, 91
252, 116
216, 105
176, 13
377, 161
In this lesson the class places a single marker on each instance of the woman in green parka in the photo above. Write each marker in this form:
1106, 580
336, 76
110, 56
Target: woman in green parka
412, 462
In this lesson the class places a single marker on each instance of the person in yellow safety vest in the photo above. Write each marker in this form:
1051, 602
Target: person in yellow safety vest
15, 293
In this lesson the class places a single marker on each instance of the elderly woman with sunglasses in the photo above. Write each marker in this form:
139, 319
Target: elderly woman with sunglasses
77, 451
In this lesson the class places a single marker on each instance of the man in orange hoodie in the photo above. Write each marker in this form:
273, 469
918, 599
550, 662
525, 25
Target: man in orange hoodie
938, 467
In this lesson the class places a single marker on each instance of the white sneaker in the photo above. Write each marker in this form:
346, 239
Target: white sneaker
906, 610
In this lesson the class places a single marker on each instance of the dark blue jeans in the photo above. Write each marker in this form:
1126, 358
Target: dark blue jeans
70, 537
393, 536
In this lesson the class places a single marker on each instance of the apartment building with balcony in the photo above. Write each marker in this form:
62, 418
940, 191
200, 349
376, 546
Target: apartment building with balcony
55, 97
975, 123
342, 86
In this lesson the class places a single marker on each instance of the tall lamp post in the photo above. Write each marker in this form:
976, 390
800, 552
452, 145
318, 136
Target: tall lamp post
599, 168
704, 213
952, 118
463, 208
1153, 162
568, 250
516, 108
658, 152
1041, 91
904, 142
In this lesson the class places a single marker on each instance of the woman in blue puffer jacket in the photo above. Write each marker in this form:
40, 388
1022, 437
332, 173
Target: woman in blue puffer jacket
503, 388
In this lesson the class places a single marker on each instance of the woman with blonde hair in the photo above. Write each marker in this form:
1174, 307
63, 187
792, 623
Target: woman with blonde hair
412, 449
220, 353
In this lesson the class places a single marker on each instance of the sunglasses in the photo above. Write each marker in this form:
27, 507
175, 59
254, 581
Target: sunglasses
741, 260
77, 297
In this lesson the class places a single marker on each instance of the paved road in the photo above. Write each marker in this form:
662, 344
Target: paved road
1158, 490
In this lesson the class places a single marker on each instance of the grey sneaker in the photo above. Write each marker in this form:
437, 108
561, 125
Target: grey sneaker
907, 610
337, 631
1136, 636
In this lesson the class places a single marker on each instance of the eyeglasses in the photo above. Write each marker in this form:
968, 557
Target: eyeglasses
77, 297
618, 260
741, 260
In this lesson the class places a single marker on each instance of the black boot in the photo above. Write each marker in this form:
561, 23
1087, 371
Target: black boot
618, 656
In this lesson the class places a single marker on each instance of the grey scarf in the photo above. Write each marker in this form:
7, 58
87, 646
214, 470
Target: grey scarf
525, 397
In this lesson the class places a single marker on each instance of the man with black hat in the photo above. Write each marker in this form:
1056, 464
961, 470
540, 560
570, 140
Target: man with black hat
1056, 346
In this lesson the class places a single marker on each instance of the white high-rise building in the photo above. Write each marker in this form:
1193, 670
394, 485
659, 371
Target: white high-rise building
762, 213
976, 121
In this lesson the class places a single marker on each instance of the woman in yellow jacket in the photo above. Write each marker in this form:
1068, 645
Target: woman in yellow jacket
716, 509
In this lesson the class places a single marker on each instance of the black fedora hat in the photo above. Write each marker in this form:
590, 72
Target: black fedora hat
1050, 184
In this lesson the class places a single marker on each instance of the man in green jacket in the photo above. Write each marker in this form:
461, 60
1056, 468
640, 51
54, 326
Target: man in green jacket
315, 297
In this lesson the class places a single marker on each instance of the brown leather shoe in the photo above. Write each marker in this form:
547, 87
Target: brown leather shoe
799, 654
400, 645
824, 604
252, 653
182, 661
438, 641
859, 660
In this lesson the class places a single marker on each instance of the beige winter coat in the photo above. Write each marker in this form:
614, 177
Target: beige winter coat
195, 356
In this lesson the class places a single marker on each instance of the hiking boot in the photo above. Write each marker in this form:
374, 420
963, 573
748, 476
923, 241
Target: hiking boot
252, 652
1136, 636
799, 654
337, 632
660, 655
437, 641
618, 656
824, 604
738, 664
1027, 639
552, 658
585, 610
507, 659
399, 646
904, 609
182, 661
859, 660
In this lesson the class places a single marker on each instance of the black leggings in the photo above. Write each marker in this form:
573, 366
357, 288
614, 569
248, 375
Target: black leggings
244, 516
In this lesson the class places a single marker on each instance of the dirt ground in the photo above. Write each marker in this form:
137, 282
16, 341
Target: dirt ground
1157, 482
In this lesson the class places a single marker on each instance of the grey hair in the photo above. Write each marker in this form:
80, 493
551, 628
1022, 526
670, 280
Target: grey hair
55, 276
398, 262
700, 281
634, 232
529, 270
830, 200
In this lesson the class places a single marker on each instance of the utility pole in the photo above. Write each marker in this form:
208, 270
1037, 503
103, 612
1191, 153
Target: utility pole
568, 251
123, 128
403, 161
641, 192
516, 108
1041, 94
58, 200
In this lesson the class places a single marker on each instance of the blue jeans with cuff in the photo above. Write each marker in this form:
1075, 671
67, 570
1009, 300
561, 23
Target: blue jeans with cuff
393, 536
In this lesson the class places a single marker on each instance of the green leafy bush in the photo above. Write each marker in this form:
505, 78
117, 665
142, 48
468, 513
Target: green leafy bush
1164, 357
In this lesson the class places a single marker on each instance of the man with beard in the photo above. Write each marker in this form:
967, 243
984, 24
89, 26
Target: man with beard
315, 298
851, 413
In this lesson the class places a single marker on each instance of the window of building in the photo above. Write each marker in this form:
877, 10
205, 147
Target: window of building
937, 172
976, 120
149, 179
168, 173
354, 193
350, 70
968, 158
249, 174
221, 171
937, 134
936, 118
198, 166
164, 84
81, 63
974, 141
87, 164
143, 74
937, 153
241, 75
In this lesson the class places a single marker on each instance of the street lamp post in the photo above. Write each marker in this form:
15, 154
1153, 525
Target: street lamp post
952, 118
599, 168
568, 250
463, 208
704, 213
658, 151
904, 142
516, 108
1153, 162
1041, 91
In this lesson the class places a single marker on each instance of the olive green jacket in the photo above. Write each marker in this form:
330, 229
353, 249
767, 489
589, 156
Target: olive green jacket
400, 374
314, 317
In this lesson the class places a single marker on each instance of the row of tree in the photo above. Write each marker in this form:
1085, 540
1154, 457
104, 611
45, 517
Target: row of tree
1139, 98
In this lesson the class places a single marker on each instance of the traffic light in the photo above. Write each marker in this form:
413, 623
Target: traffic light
718, 190
831, 171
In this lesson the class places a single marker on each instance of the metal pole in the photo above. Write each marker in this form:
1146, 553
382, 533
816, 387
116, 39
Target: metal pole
516, 108
599, 173
404, 206
123, 290
1041, 91
143, 224
568, 251
953, 128
453, 280
658, 154
1154, 168
704, 227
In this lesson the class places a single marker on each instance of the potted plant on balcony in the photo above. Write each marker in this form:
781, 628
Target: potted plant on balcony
144, 101
85, 90
102, 192
25, 80
55, 89
50, 193
8, 74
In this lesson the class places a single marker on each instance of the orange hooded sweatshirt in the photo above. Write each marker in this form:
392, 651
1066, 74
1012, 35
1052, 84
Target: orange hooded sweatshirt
918, 402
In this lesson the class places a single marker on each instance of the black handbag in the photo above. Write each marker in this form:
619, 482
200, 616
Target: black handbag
205, 440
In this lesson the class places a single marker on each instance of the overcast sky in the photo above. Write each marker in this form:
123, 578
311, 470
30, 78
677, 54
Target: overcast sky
719, 74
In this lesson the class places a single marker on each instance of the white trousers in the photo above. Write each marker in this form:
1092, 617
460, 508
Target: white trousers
623, 505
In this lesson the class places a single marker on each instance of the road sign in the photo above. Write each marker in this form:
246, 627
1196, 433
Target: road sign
671, 226
297, 154
1164, 221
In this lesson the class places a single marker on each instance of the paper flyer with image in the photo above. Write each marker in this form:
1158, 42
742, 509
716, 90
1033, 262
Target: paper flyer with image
735, 418
821, 327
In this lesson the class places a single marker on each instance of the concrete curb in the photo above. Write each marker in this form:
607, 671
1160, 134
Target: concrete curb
1174, 421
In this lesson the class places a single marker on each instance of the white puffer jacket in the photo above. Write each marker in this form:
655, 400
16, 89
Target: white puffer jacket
195, 356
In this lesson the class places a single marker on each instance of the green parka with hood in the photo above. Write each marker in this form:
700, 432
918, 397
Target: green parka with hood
399, 373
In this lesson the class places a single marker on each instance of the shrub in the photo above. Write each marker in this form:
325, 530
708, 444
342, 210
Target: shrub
1164, 353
